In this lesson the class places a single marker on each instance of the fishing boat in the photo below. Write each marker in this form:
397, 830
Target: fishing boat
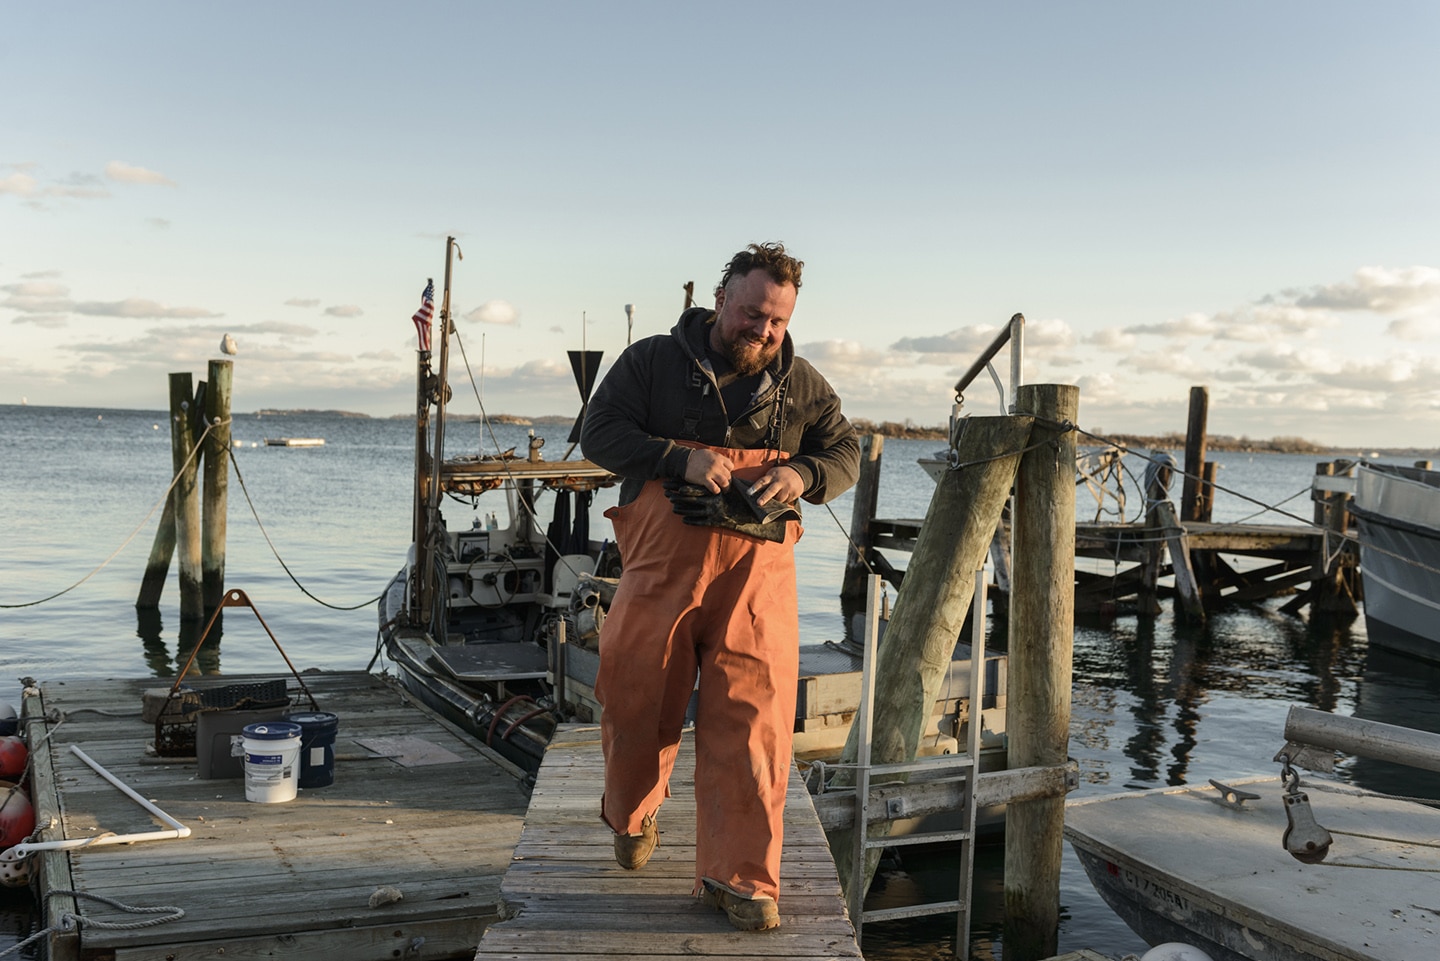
1397, 511
1276, 868
497, 624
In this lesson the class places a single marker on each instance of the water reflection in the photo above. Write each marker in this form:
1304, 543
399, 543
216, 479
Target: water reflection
150, 628
1396, 689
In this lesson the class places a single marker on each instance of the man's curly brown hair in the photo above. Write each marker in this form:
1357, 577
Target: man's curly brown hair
769, 257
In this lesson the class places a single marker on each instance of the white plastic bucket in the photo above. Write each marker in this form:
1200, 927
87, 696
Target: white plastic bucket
272, 755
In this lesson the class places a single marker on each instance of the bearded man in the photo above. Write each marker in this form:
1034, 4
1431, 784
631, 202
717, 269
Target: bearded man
715, 428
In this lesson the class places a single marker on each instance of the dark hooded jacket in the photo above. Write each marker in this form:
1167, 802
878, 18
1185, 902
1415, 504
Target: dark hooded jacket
663, 390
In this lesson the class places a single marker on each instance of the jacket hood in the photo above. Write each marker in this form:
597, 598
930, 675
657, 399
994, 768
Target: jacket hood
692, 330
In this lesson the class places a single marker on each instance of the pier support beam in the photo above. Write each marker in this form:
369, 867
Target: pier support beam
867, 497
213, 507
1042, 629
932, 603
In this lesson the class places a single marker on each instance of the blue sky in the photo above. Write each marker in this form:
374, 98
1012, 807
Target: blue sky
1243, 196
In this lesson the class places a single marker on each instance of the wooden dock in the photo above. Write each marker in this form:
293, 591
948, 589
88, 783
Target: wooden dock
565, 897
427, 814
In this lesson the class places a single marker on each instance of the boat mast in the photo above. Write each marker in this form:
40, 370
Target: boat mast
435, 390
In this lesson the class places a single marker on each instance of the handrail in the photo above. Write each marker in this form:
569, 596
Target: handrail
1013, 333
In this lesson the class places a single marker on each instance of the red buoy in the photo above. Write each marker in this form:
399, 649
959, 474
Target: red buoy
17, 817
12, 758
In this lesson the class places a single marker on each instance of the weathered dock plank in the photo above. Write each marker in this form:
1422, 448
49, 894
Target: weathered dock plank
289, 880
565, 897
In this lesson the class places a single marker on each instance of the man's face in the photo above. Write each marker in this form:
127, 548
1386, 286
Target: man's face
751, 316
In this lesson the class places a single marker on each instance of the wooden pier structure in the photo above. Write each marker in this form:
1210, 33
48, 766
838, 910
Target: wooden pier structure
1181, 542
564, 897
417, 807
414, 851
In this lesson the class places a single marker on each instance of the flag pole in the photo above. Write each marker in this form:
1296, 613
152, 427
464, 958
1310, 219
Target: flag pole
426, 548
423, 385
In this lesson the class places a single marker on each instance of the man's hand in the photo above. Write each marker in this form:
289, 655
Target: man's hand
700, 508
709, 470
783, 484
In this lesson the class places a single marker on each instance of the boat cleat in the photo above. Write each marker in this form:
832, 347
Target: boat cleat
1232, 797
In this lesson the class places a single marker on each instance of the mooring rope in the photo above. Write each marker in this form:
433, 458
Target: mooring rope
286, 567
138, 527
70, 921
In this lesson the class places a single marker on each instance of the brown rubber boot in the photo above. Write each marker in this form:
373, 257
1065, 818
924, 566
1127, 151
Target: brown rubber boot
633, 850
759, 913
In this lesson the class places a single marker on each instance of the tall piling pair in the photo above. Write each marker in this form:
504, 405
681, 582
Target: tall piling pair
1033, 452
194, 524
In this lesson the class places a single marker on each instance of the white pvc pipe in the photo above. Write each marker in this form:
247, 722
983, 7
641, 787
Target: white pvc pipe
180, 830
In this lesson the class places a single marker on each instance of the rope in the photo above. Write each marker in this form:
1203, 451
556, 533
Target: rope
266, 534
70, 921
143, 521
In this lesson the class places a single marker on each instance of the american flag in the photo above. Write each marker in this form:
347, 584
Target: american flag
423, 315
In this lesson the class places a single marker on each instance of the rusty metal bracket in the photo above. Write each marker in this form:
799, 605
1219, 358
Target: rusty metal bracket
238, 598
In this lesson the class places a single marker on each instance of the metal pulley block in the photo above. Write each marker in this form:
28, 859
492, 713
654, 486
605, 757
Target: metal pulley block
1305, 839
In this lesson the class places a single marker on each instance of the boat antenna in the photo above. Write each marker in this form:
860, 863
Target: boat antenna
480, 393
629, 323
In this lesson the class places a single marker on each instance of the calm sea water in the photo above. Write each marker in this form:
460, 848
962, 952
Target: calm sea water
1155, 703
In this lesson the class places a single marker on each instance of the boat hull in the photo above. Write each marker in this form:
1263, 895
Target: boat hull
1397, 512
1176, 864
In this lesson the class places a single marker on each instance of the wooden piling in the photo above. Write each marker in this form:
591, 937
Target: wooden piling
1331, 591
187, 501
932, 603
157, 568
1042, 628
867, 497
215, 497
1195, 443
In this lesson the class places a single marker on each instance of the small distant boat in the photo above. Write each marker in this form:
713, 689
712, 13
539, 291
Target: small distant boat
295, 442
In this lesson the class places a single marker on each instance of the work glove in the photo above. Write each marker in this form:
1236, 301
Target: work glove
729, 509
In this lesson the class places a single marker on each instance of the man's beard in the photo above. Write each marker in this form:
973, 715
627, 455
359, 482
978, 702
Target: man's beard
748, 358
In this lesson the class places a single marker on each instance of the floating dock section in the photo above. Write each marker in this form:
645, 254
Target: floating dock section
401, 857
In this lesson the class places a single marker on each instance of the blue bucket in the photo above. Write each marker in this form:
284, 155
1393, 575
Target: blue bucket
317, 746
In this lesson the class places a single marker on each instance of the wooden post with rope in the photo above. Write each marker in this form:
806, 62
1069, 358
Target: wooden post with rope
867, 497
215, 498
932, 603
187, 500
1042, 630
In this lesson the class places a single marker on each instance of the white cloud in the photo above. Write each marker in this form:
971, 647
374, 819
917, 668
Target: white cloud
1381, 290
45, 321
494, 312
1414, 328
1181, 328
966, 340
37, 297
834, 354
1048, 333
1286, 359
344, 310
302, 302
1111, 338
139, 307
21, 184
122, 172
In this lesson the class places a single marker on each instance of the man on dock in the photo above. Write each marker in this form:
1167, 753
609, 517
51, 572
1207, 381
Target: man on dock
715, 427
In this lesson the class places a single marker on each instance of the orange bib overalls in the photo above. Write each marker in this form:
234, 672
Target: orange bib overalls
723, 603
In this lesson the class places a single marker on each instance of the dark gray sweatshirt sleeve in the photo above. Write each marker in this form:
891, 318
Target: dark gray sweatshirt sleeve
616, 434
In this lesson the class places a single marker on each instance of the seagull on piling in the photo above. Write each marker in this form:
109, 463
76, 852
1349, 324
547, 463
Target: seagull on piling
227, 346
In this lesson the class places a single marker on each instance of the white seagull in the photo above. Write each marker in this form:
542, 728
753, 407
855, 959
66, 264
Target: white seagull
227, 346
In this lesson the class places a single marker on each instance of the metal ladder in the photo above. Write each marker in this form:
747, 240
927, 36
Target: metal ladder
965, 765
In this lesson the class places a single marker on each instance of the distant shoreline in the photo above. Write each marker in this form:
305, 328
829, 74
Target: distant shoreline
909, 431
